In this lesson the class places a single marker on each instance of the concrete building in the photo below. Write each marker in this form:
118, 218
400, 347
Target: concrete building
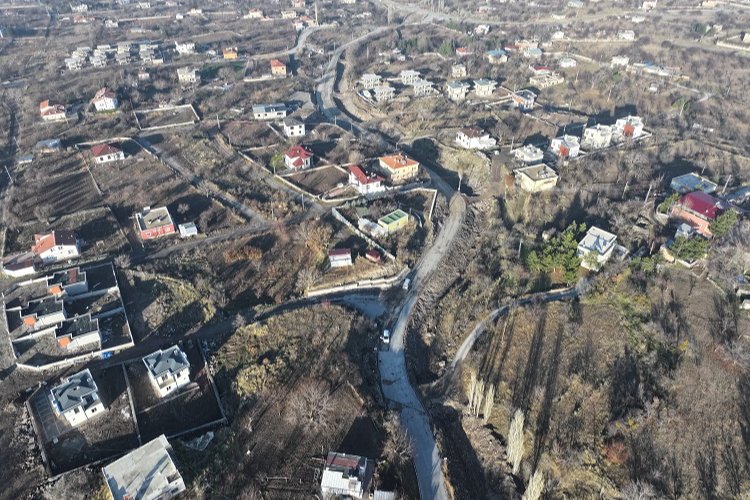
146, 473
106, 153
269, 111
154, 223
484, 87
383, 93
596, 137
340, 257
630, 127
346, 476
188, 75
564, 147
457, 90
56, 246
393, 221
523, 99
422, 88
529, 154
105, 100
409, 76
365, 182
399, 167
474, 138
184, 48
536, 178
370, 81
294, 127
458, 71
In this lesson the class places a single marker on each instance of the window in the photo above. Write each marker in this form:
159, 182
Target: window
93, 410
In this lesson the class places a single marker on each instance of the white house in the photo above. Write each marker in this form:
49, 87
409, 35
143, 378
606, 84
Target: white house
566, 146
596, 248
383, 93
51, 112
628, 35
484, 87
105, 100
597, 137
529, 154
77, 399
105, 153
364, 182
78, 332
168, 370
340, 257
56, 246
370, 80
346, 476
524, 99
409, 76
457, 90
269, 111
567, 62
630, 127
422, 87
619, 61
44, 312
298, 158
474, 138
148, 472
187, 229
458, 71
184, 48
294, 127
188, 75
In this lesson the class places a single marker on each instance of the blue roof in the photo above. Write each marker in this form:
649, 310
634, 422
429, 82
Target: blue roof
496, 52
692, 182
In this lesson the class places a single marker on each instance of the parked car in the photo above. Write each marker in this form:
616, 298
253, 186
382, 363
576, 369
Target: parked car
407, 283
386, 337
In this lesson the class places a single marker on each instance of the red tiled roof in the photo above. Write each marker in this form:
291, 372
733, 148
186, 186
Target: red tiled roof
298, 152
340, 252
43, 242
103, 149
104, 92
702, 204
397, 161
275, 63
362, 177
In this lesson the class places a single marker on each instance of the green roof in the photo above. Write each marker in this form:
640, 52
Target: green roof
393, 217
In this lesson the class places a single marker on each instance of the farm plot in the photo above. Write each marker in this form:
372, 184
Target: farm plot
106, 435
320, 181
168, 117
97, 229
52, 197
190, 407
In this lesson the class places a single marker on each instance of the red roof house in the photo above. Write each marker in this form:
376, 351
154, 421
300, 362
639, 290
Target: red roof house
699, 210
104, 153
56, 246
298, 157
365, 182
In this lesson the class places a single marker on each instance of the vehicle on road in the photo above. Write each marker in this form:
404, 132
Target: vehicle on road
407, 283
386, 337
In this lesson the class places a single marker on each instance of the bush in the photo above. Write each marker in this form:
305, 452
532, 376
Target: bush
690, 249
723, 223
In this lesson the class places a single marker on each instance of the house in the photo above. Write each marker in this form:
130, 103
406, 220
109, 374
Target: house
288, 14
370, 80
56, 246
254, 14
393, 221
464, 52
567, 62
294, 127
409, 76
422, 88
20, 265
474, 138
546, 80
365, 182
596, 137
48, 146
105, 100
628, 35
105, 153
168, 370
51, 112
340, 257
148, 472
229, 53
619, 62
184, 48
596, 248
699, 210
630, 127
482, 29
154, 223
496, 56
77, 399
536, 178
523, 99
68, 282
373, 256
540, 69
692, 182
278, 68
457, 90
564, 147
529, 154
77, 332
557, 36
298, 158
484, 88
269, 111
347, 476
188, 75
383, 93
74, 63
532, 52
187, 229
44, 312
398, 167
458, 71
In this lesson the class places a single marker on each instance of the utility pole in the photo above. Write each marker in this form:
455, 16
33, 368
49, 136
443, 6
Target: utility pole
218, 123
724, 189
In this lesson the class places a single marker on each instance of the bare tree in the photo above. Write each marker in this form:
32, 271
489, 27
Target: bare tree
398, 445
310, 406
515, 441
489, 402
638, 491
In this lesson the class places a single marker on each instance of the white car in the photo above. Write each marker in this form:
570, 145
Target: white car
386, 337
406, 284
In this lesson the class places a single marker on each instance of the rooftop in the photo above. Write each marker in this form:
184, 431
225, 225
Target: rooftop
44, 242
702, 204
392, 217
80, 325
75, 391
43, 307
597, 240
153, 217
145, 472
104, 149
537, 172
399, 160
692, 182
363, 177
169, 361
